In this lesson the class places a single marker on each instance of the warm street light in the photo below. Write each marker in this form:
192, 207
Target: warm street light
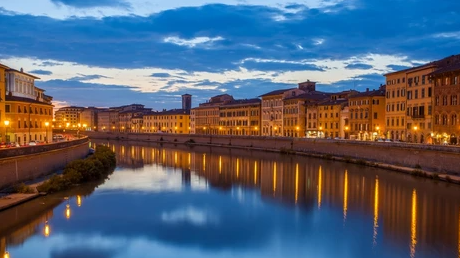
67, 211
6, 255
46, 128
7, 123
46, 230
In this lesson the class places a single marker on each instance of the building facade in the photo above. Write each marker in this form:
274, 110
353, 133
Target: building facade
446, 79
367, 115
175, 121
330, 118
205, 117
68, 117
26, 113
240, 117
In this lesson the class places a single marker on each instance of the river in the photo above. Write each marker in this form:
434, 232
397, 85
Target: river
177, 201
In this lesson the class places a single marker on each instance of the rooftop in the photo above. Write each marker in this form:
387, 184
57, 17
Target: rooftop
276, 92
21, 99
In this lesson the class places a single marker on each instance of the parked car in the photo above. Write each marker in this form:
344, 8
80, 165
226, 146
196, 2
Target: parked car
33, 143
388, 140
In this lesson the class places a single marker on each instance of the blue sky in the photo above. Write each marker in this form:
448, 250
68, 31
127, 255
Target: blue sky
115, 52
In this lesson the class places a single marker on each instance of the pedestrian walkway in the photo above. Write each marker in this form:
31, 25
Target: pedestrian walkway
11, 200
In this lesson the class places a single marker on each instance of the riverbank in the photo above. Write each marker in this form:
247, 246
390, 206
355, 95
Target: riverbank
429, 161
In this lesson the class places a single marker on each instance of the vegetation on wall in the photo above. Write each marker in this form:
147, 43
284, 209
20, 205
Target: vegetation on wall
97, 166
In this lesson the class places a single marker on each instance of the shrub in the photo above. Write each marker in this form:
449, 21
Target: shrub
23, 189
95, 167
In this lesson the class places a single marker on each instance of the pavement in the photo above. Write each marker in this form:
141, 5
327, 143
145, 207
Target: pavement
11, 200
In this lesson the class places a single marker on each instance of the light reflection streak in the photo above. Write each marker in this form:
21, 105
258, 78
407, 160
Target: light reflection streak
413, 225
175, 158
320, 179
237, 168
376, 212
204, 162
345, 196
296, 182
274, 178
220, 164
255, 172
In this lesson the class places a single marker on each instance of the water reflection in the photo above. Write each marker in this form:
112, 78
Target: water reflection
213, 202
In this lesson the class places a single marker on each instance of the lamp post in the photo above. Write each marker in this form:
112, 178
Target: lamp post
346, 132
297, 129
7, 123
415, 134
30, 111
320, 131
175, 129
46, 128
377, 128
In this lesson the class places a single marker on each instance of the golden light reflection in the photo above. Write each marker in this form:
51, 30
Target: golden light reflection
132, 151
237, 168
122, 150
143, 152
274, 178
220, 164
204, 161
175, 158
345, 196
164, 156
78, 200
67, 211
413, 225
46, 230
376, 212
255, 172
320, 179
296, 182
189, 159
6, 255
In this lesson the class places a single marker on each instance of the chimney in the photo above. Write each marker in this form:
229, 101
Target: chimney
22, 70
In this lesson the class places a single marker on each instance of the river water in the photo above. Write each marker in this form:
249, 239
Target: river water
176, 201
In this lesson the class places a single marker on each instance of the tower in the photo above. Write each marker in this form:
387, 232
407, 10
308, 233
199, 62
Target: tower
307, 86
187, 101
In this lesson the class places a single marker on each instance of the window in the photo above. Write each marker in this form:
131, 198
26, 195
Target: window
453, 100
444, 100
436, 101
375, 115
409, 95
7, 108
429, 110
416, 94
423, 79
397, 93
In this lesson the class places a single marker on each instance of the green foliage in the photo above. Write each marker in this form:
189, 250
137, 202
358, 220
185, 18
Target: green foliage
97, 166
23, 189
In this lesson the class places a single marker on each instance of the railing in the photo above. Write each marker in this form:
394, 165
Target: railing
29, 150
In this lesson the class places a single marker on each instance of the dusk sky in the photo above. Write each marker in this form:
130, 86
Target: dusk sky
116, 52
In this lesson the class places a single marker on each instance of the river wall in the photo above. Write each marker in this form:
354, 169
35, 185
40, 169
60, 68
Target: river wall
433, 158
26, 163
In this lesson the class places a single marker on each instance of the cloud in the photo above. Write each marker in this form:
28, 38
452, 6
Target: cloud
85, 251
397, 67
359, 83
160, 75
92, 3
83, 77
192, 42
279, 66
41, 72
359, 66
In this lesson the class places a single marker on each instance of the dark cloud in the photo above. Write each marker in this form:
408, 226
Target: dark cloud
82, 77
134, 41
359, 66
85, 251
41, 72
92, 3
397, 67
160, 75
359, 83
274, 66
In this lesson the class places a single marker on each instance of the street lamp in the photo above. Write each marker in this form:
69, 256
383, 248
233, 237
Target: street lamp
415, 134
320, 130
175, 129
297, 129
377, 128
346, 132
6, 255
7, 123
46, 128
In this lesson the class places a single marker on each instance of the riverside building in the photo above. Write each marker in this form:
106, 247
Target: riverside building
26, 112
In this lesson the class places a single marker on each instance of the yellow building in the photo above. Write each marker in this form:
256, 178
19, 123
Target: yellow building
172, 121
205, 117
330, 117
26, 112
367, 115
240, 117
68, 117
409, 104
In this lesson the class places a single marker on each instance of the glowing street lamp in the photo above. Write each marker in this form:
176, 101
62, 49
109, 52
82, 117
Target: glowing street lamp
67, 211
46, 230
47, 124
7, 123
6, 255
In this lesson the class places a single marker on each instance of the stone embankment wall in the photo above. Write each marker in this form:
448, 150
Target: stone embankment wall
434, 158
25, 163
